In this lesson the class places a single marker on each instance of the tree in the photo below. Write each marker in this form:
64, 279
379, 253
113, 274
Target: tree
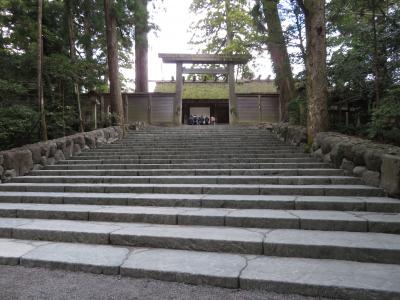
224, 27
43, 126
279, 55
71, 40
317, 84
141, 46
112, 60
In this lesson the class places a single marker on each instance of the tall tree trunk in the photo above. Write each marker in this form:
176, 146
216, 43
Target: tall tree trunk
71, 39
233, 114
112, 60
43, 126
87, 29
141, 46
280, 57
297, 12
376, 68
317, 84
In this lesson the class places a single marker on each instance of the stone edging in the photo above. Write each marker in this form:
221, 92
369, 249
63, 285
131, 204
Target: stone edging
20, 161
377, 164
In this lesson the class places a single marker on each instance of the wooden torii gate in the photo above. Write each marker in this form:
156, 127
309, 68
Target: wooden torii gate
180, 59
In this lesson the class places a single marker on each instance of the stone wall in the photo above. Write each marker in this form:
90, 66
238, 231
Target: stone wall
20, 161
292, 134
376, 164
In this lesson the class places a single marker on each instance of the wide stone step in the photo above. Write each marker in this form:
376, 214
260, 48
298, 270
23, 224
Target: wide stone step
243, 189
204, 144
233, 189
201, 140
313, 277
356, 246
208, 152
90, 156
307, 165
191, 172
372, 204
200, 148
189, 160
249, 218
294, 180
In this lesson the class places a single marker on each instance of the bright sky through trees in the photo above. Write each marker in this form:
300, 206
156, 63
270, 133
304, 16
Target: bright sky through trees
173, 20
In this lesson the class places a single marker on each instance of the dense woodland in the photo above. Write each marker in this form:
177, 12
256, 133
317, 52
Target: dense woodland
336, 62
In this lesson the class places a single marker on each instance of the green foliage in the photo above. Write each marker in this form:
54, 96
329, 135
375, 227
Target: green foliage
18, 126
86, 68
385, 120
62, 122
298, 110
225, 27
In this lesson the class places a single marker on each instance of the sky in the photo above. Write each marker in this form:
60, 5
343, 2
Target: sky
174, 19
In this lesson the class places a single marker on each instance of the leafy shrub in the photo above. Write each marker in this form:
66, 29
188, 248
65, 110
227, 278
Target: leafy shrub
385, 119
298, 111
61, 123
19, 125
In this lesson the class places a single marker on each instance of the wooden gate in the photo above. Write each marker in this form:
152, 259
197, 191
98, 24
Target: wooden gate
253, 108
151, 108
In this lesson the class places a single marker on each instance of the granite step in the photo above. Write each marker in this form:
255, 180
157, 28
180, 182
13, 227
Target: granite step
352, 246
247, 218
219, 205
189, 160
203, 146
200, 145
303, 165
227, 189
90, 156
371, 204
191, 172
293, 180
123, 151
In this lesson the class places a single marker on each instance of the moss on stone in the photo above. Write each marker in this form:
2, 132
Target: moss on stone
217, 90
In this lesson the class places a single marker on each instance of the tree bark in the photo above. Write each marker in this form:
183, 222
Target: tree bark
233, 114
297, 12
43, 125
141, 46
280, 57
71, 39
317, 84
112, 60
375, 56
87, 29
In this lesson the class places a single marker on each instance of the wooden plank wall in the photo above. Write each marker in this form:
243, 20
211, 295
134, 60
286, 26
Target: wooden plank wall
254, 108
151, 108
162, 109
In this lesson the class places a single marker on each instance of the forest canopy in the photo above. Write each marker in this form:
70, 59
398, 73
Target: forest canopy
362, 58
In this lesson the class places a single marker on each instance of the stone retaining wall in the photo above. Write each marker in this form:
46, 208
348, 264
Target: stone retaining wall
20, 161
376, 164
292, 134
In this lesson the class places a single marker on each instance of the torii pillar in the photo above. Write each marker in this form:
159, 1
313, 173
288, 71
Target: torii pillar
179, 94
233, 114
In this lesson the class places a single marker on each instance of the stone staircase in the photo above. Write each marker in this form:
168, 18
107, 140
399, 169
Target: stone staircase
217, 205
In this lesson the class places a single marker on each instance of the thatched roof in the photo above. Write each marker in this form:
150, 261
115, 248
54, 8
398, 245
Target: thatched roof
217, 90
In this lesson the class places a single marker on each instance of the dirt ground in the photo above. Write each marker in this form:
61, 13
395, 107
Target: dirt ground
25, 283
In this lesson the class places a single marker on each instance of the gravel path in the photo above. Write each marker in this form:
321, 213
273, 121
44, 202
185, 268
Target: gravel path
24, 283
